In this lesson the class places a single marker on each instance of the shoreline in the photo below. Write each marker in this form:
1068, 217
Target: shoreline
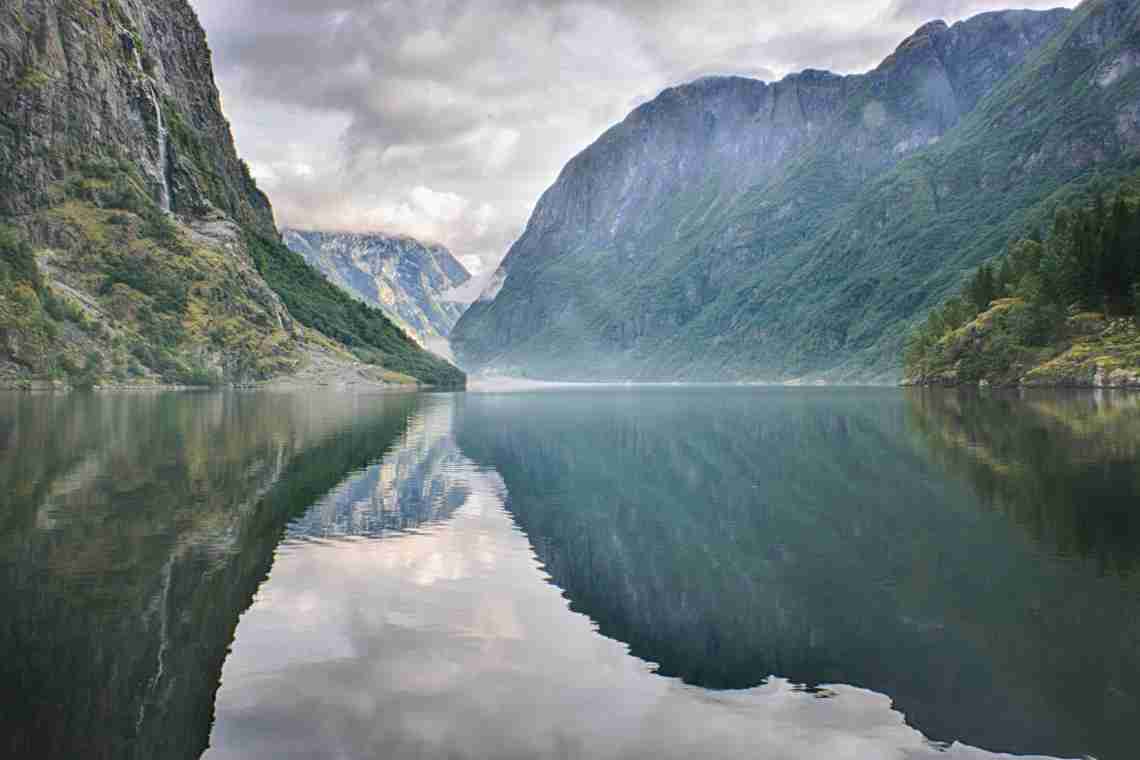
45, 386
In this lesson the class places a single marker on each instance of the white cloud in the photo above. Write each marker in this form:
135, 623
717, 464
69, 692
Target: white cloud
469, 291
449, 118
472, 264
440, 207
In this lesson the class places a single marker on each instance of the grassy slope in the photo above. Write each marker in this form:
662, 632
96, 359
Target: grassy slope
128, 295
133, 297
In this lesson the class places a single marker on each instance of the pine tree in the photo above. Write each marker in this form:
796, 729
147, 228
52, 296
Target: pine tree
1025, 256
1129, 251
1116, 279
1089, 272
983, 288
1007, 278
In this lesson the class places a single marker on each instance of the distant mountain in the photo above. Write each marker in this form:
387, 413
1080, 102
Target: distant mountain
403, 277
733, 229
135, 247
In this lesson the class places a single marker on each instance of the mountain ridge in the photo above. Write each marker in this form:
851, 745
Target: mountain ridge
703, 299
398, 274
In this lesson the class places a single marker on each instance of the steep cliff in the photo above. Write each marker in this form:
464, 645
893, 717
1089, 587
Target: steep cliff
125, 79
732, 229
401, 276
155, 257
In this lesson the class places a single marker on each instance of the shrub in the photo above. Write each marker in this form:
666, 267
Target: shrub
159, 227
125, 195
100, 168
1035, 323
993, 359
19, 261
203, 376
62, 308
87, 377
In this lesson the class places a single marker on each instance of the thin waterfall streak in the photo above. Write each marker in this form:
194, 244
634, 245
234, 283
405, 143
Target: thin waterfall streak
164, 639
164, 180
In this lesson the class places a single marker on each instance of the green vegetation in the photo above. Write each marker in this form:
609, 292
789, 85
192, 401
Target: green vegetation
164, 308
33, 79
1060, 299
17, 261
27, 332
192, 144
168, 307
317, 303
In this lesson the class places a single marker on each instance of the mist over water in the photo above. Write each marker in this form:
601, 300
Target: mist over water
571, 572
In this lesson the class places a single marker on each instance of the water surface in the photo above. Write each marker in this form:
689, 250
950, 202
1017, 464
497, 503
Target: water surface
625, 573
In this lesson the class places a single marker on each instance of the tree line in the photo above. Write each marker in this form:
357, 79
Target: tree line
1089, 262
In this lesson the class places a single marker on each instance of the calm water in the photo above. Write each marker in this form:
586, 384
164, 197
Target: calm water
622, 573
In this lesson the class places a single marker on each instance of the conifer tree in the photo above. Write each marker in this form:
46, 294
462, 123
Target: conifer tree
983, 288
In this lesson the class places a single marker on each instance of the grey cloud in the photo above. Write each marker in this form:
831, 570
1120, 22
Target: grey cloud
446, 119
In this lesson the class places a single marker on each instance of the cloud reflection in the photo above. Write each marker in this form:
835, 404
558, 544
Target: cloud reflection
448, 641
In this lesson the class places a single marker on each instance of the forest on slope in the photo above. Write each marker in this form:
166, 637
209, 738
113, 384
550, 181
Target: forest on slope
1058, 311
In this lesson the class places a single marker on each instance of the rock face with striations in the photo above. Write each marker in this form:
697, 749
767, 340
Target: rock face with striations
405, 278
135, 247
132, 77
734, 229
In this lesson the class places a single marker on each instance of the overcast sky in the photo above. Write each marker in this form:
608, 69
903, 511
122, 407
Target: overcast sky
446, 119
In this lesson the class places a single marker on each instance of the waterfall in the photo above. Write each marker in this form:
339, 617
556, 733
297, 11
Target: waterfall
150, 87
164, 200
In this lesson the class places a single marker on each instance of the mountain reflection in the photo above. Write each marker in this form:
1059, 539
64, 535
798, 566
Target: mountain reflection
418, 481
136, 530
736, 535
970, 562
1063, 466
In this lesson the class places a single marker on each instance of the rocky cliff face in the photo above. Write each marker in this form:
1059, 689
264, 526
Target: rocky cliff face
399, 275
126, 79
664, 249
136, 248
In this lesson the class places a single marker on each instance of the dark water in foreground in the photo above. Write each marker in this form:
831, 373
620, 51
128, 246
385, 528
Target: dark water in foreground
621, 573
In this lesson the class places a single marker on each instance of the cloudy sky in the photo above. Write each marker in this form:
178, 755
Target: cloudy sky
446, 119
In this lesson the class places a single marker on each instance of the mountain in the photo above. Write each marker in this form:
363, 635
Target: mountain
401, 276
135, 246
733, 229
